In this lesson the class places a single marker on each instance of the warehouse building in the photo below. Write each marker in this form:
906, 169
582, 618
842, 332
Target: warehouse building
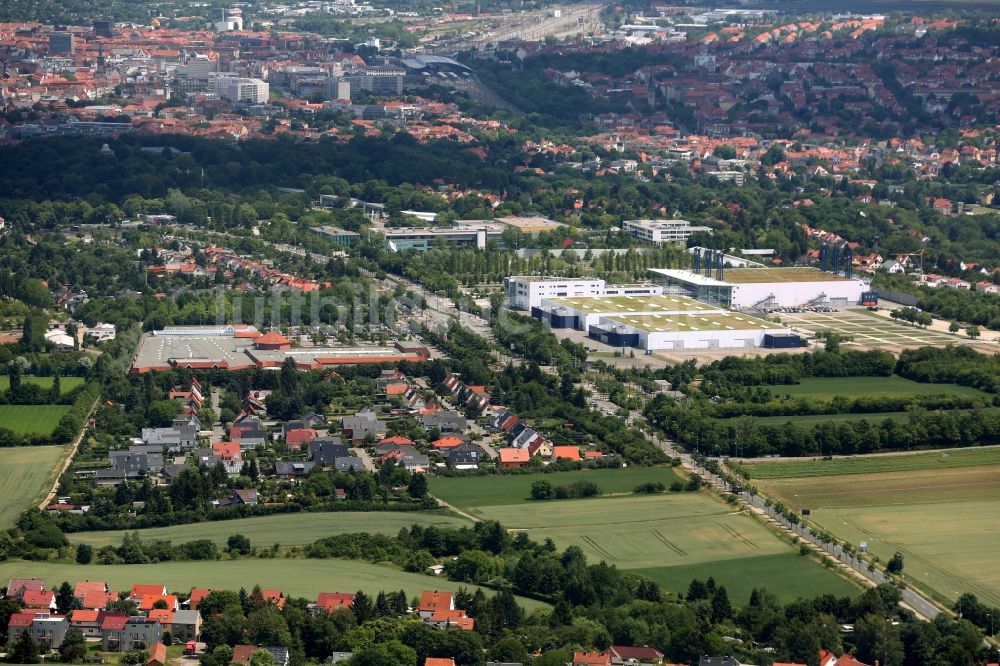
583, 312
244, 347
762, 289
726, 330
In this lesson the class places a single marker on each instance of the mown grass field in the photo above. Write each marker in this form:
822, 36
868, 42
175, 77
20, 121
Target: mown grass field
820, 388
299, 578
38, 420
874, 464
470, 492
26, 474
66, 384
657, 534
293, 529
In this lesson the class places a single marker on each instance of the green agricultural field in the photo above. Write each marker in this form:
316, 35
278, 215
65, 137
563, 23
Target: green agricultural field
299, 578
66, 384
873, 464
469, 492
948, 547
819, 388
38, 420
656, 534
294, 529
958, 484
26, 475
787, 575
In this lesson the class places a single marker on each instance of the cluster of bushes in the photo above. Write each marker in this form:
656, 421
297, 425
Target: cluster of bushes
955, 365
844, 405
544, 490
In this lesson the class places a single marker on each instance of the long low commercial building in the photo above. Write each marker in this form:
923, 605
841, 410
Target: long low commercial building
762, 288
692, 331
581, 313
243, 347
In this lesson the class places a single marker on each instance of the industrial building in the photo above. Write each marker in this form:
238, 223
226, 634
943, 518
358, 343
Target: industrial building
240, 347
526, 292
458, 235
726, 330
761, 289
661, 322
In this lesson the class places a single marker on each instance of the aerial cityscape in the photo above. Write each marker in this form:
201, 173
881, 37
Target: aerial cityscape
494, 333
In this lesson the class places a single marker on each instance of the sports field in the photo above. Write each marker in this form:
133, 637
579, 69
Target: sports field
820, 388
26, 474
66, 384
299, 578
38, 420
938, 509
867, 329
658, 534
470, 492
293, 529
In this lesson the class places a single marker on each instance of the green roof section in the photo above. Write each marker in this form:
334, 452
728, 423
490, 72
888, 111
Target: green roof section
625, 304
796, 274
693, 323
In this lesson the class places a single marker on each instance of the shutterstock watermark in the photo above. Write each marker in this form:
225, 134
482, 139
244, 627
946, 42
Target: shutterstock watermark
365, 307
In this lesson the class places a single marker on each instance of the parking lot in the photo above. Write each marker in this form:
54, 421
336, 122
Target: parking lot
867, 329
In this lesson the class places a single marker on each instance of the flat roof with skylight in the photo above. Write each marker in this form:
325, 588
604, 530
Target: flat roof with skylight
625, 304
691, 323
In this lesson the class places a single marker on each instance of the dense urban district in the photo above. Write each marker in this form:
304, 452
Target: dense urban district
499, 334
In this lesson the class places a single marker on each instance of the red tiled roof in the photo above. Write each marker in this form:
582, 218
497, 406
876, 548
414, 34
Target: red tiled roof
272, 338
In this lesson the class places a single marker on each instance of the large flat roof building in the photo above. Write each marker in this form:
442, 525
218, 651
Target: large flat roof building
238, 348
672, 232
461, 234
525, 292
763, 288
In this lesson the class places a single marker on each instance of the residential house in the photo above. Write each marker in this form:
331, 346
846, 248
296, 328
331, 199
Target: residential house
511, 458
157, 656
94, 595
296, 438
186, 625
242, 654
139, 591
408, 457
150, 601
331, 601
445, 422
591, 659
292, 470
432, 601
566, 453
197, 594
449, 441
89, 621
16, 587
48, 629
276, 597
179, 437
325, 451
439, 661
621, 654
349, 464
137, 633
464, 456
39, 600
244, 497
249, 437
363, 424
